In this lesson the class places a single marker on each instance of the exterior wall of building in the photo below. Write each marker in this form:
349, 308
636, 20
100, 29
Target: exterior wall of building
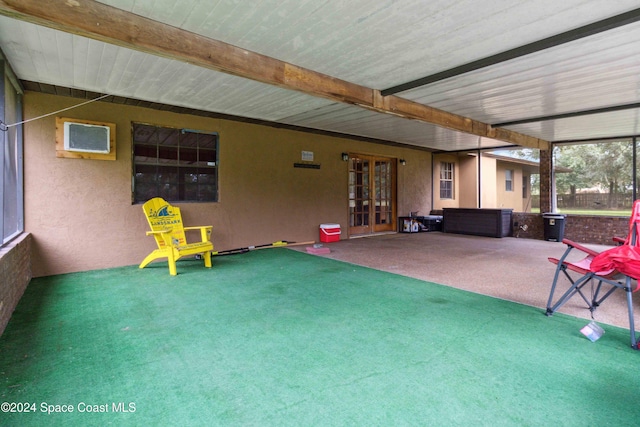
492, 180
527, 198
508, 199
440, 203
468, 181
488, 182
80, 211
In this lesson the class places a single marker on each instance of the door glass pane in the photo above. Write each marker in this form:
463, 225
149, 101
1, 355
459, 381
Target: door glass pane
383, 191
371, 194
358, 192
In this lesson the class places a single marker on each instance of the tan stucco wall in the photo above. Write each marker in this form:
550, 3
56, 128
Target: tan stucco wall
468, 181
439, 203
413, 179
81, 215
509, 199
489, 183
465, 181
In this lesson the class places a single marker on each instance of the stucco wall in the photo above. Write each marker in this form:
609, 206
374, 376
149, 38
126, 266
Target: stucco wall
80, 211
468, 181
508, 199
489, 183
439, 203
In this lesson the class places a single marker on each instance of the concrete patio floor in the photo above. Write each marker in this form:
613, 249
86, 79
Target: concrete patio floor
508, 268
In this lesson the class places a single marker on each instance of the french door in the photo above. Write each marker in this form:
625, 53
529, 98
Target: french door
372, 194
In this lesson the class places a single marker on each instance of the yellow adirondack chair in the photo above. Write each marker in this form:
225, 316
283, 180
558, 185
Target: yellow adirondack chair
166, 227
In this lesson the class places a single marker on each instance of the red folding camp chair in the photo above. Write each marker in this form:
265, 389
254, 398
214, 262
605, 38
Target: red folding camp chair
615, 268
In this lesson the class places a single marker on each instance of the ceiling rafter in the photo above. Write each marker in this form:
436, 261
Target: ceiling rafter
111, 25
581, 113
537, 46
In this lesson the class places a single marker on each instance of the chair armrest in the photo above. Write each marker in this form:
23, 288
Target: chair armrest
165, 235
579, 247
205, 231
581, 267
199, 227
149, 233
619, 240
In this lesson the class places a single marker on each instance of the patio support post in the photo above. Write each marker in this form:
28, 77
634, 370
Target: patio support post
546, 180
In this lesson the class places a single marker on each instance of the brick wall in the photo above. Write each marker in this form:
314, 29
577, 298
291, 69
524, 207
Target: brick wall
15, 274
597, 230
546, 164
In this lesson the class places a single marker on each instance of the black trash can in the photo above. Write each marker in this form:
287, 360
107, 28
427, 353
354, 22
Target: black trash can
553, 226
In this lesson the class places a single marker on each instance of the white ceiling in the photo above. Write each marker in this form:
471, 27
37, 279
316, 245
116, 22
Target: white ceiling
379, 45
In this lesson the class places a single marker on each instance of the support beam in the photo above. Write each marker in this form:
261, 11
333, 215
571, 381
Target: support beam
115, 26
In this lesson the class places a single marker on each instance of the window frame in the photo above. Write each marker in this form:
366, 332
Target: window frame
447, 176
586, 193
181, 164
508, 180
12, 178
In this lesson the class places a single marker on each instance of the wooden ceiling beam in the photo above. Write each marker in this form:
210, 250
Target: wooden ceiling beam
115, 26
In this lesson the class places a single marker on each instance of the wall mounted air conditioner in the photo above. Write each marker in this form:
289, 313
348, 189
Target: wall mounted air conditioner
85, 139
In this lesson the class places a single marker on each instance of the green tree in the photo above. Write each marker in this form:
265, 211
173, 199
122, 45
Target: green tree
605, 166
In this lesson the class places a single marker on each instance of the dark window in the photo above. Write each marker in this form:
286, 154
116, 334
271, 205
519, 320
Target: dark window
175, 164
508, 180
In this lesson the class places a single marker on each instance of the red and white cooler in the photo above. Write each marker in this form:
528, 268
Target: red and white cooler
329, 233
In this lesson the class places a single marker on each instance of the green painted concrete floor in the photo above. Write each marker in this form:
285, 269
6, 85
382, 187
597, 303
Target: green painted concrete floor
278, 337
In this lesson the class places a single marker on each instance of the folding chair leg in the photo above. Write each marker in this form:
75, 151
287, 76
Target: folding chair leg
555, 280
574, 289
596, 302
632, 329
